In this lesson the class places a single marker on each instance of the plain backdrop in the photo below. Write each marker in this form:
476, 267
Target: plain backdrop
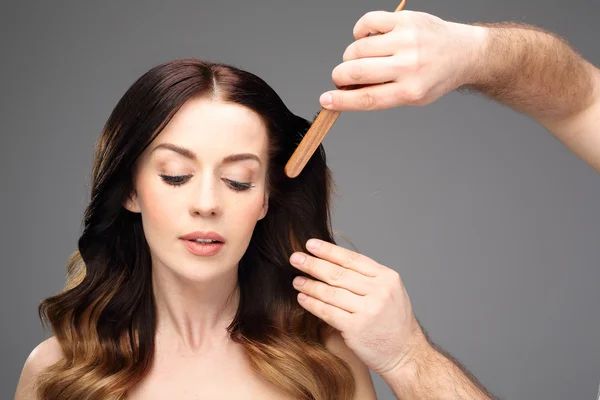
493, 225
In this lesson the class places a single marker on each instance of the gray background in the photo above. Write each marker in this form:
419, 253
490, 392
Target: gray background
491, 222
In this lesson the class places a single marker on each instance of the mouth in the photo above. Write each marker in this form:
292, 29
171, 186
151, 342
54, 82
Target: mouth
202, 247
203, 243
204, 237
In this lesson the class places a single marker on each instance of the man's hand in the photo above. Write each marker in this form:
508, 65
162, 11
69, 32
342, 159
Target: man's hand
413, 59
368, 304
364, 300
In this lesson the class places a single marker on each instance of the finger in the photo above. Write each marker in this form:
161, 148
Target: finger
372, 46
374, 97
332, 274
336, 317
344, 257
335, 296
367, 71
375, 22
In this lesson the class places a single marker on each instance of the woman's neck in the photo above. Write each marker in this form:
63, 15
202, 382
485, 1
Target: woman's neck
193, 316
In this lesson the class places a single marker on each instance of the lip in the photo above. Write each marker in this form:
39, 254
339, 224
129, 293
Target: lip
202, 249
203, 235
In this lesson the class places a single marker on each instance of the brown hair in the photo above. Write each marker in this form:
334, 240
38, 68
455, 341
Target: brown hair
104, 319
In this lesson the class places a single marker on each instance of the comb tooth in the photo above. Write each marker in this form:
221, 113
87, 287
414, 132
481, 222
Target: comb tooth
316, 133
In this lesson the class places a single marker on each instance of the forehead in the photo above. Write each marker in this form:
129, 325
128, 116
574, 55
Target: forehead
214, 129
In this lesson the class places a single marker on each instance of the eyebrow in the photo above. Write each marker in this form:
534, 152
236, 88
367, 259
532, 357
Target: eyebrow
187, 153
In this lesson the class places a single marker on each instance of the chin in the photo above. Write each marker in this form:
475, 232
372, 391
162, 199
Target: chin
200, 271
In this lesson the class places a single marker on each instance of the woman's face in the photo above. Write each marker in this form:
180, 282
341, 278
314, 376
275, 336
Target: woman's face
204, 173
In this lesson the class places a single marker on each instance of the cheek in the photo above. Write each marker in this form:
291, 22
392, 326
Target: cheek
157, 204
247, 211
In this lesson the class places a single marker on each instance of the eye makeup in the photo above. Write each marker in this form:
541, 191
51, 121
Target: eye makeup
178, 180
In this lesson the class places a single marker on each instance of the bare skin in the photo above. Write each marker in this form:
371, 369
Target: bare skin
222, 372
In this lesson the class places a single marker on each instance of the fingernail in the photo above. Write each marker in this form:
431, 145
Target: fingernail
326, 99
297, 258
313, 244
302, 296
299, 280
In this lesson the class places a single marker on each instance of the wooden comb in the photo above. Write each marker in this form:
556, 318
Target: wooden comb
315, 135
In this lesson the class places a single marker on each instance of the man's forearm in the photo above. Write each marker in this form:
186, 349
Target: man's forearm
533, 71
537, 73
434, 374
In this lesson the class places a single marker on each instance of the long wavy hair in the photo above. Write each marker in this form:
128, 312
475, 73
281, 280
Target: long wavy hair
105, 317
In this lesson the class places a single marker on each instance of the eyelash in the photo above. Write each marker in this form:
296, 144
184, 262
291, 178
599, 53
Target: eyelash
178, 180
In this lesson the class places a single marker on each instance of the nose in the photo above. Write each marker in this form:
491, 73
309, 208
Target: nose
205, 199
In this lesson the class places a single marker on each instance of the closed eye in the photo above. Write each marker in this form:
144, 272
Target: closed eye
175, 180
238, 186
178, 180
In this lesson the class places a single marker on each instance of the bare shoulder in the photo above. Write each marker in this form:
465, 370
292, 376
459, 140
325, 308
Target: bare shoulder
334, 342
42, 356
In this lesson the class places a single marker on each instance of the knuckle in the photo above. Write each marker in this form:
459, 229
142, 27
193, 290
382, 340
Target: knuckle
338, 99
369, 17
393, 282
358, 49
411, 35
390, 278
338, 274
387, 292
353, 51
416, 93
372, 311
394, 277
387, 296
414, 62
367, 101
412, 95
356, 73
397, 65
359, 26
363, 23
352, 257
332, 292
311, 263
